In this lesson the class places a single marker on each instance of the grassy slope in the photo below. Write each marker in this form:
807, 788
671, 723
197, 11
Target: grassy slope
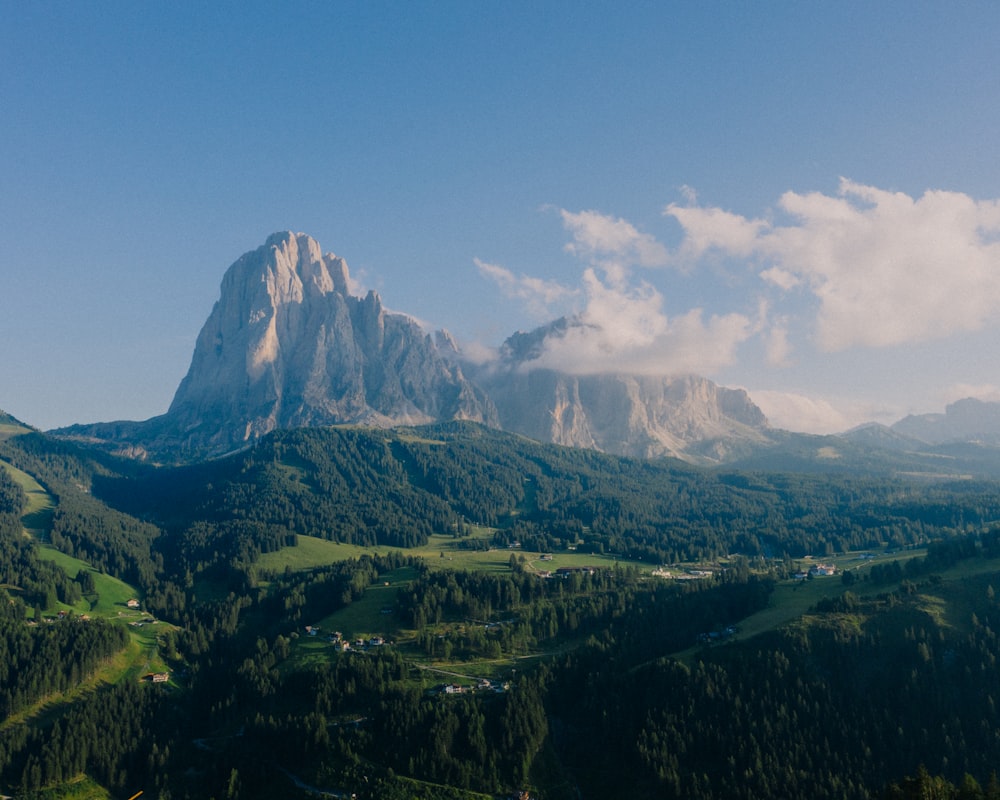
37, 517
440, 551
142, 653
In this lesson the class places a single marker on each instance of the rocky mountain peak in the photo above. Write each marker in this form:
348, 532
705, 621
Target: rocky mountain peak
288, 344
685, 416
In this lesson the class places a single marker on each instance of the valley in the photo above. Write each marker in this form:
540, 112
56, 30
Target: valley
420, 547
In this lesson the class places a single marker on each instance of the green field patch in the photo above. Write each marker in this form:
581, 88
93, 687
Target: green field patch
442, 551
110, 602
374, 613
111, 594
37, 517
793, 598
8, 429
78, 788
311, 552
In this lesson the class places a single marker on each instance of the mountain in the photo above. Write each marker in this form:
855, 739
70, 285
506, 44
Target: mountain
967, 420
881, 436
642, 416
288, 345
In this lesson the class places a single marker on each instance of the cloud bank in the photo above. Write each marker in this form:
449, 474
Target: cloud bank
621, 324
884, 268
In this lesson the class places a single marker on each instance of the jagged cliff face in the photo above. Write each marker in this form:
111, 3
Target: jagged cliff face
685, 416
287, 345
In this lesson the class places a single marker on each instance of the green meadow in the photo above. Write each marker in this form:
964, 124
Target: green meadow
37, 517
109, 600
441, 550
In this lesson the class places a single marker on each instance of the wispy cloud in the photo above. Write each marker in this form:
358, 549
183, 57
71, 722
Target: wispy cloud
808, 414
886, 268
603, 238
621, 322
538, 295
624, 326
624, 329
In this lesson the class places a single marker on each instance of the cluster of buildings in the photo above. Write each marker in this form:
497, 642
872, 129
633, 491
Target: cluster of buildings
343, 644
481, 685
565, 572
683, 575
816, 571
711, 637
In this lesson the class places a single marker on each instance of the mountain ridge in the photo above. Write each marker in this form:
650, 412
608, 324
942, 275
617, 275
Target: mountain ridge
287, 345
969, 419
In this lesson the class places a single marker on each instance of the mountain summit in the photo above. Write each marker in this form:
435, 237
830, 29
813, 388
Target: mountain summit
288, 345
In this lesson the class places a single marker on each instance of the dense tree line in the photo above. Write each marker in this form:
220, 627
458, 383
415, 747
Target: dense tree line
509, 614
50, 658
119, 735
788, 713
924, 786
343, 485
36, 583
832, 707
397, 487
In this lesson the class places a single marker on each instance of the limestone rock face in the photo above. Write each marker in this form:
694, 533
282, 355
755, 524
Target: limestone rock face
686, 416
287, 345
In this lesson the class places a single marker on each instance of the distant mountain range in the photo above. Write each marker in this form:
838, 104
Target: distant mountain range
967, 420
288, 345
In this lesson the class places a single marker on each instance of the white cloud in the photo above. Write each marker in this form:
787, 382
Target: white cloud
539, 295
886, 268
708, 229
778, 349
780, 278
597, 235
798, 412
983, 391
621, 325
623, 329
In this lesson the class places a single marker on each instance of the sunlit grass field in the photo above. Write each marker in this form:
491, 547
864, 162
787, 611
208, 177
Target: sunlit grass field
440, 551
109, 601
37, 517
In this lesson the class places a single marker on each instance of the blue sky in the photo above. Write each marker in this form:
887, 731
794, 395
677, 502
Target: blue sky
796, 198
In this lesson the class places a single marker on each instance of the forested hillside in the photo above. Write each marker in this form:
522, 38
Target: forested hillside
394, 676
395, 487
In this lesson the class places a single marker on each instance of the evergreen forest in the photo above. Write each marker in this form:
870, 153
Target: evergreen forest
451, 611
